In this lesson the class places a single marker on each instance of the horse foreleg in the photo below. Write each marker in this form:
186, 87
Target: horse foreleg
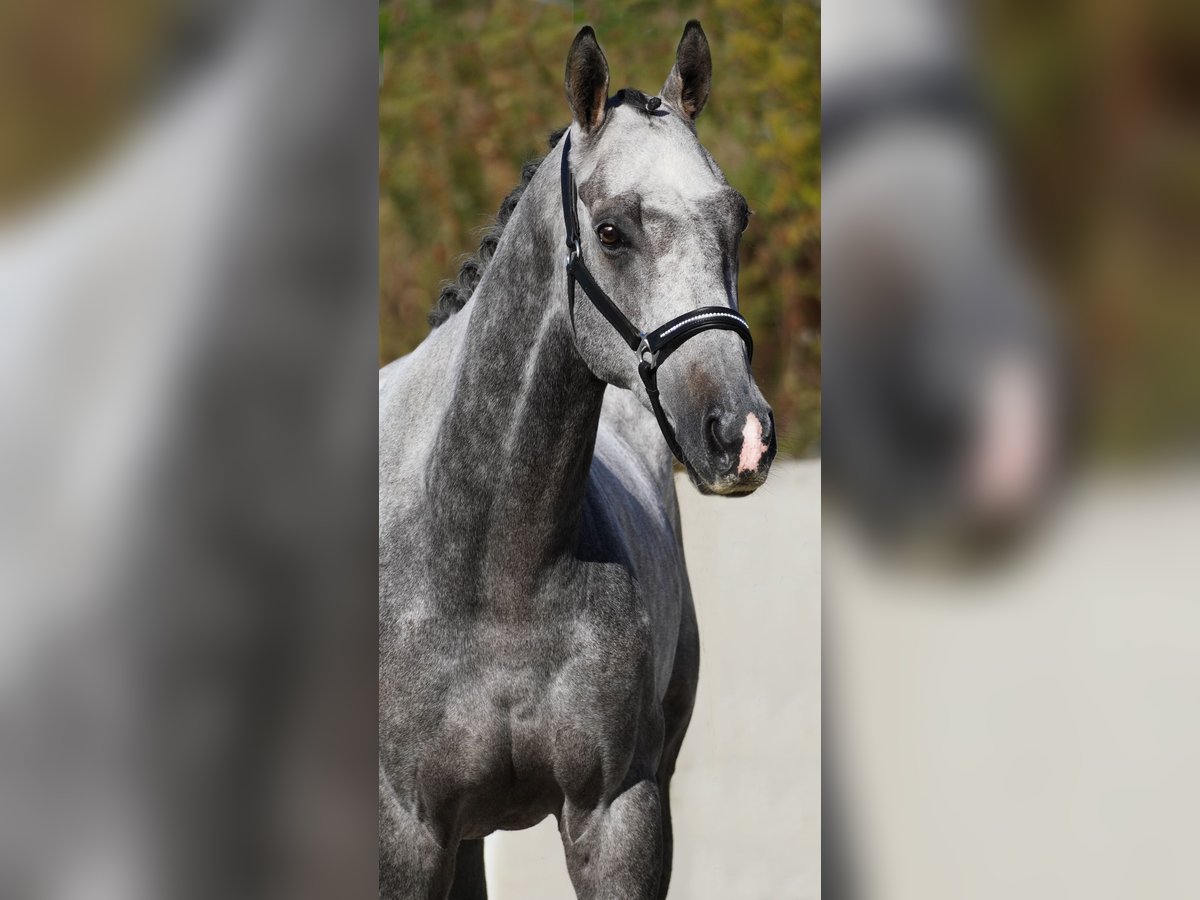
470, 881
668, 834
677, 714
617, 854
412, 865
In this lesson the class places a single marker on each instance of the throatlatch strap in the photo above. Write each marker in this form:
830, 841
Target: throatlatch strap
658, 344
569, 195
576, 270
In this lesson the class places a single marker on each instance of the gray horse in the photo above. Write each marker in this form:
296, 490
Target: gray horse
538, 650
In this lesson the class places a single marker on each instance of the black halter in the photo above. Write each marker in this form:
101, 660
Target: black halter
652, 347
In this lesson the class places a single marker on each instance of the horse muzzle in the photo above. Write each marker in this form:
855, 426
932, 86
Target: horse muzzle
739, 447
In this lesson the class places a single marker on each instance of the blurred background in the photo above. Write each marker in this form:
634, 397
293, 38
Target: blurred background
1097, 112
469, 92
188, 341
1010, 216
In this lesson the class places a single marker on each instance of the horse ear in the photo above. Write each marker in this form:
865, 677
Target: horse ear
690, 80
587, 79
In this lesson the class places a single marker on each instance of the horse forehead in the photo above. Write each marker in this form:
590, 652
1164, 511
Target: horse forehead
655, 160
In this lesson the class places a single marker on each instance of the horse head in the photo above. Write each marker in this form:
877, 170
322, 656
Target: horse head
659, 228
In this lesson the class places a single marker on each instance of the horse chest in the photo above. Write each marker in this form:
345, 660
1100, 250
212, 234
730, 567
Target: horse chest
529, 715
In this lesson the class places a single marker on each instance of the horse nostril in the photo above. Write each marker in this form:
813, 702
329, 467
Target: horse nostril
724, 432
712, 433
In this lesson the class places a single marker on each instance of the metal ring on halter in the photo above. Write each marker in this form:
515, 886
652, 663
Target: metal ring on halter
648, 356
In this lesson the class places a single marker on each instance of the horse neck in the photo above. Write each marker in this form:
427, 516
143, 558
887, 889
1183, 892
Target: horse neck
510, 464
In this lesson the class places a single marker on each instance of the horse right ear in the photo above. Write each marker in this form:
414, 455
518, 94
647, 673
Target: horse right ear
688, 85
587, 80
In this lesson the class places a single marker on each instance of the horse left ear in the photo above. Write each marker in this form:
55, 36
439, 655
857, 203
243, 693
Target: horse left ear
690, 80
587, 79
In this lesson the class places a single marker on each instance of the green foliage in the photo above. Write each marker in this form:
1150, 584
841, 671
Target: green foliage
469, 92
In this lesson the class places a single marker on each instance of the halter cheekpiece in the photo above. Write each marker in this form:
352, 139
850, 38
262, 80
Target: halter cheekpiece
651, 347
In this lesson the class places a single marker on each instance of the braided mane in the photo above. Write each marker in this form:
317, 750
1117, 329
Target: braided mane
456, 293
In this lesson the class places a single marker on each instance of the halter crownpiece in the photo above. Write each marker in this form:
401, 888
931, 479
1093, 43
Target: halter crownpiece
652, 347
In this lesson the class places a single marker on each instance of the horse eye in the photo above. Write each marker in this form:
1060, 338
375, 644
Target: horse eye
745, 220
609, 235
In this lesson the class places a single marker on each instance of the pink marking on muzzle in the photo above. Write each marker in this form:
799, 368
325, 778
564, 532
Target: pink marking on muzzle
753, 447
1013, 444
